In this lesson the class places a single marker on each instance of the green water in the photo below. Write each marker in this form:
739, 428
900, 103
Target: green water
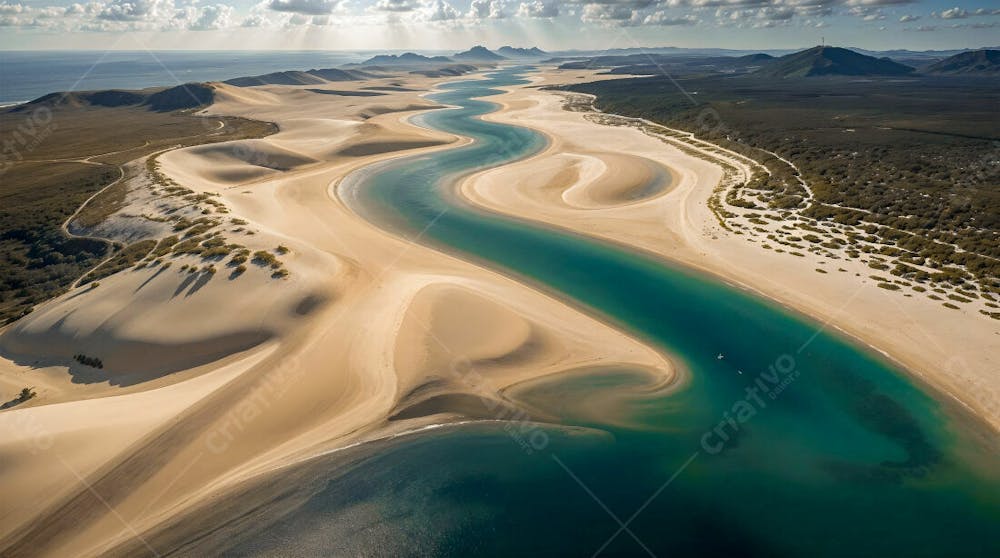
835, 453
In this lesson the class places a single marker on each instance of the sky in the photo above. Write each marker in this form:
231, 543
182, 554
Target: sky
458, 24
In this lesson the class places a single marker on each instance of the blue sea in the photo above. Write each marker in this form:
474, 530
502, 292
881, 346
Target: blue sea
27, 75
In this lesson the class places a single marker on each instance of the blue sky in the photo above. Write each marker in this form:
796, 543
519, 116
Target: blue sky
456, 24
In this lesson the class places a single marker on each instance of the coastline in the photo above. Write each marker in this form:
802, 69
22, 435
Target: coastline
366, 325
375, 309
690, 237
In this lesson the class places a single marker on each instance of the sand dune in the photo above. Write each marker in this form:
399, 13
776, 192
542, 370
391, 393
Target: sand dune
594, 180
955, 351
210, 381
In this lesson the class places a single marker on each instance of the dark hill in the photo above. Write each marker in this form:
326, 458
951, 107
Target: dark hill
973, 62
478, 54
159, 99
446, 71
515, 52
831, 61
405, 59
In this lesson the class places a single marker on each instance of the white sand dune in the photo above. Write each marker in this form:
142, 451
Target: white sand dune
212, 381
209, 381
958, 352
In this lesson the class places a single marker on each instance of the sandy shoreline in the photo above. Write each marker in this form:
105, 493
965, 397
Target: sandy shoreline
366, 326
956, 353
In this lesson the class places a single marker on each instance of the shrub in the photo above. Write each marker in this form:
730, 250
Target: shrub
85, 360
262, 258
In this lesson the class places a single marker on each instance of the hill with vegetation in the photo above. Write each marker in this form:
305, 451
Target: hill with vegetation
405, 59
159, 99
515, 52
973, 62
308, 77
478, 54
75, 148
831, 61
910, 169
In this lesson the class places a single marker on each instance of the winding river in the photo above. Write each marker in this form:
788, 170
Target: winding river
787, 440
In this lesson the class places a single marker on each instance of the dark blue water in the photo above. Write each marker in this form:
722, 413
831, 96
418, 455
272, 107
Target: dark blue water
818, 448
27, 75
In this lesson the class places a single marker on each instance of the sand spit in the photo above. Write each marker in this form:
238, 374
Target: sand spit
958, 352
213, 372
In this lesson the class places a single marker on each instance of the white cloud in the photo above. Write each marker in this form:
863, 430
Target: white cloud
305, 7
487, 9
607, 13
960, 13
954, 13
662, 18
11, 9
438, 10
538, 9
394, 6
136, 10
218, 16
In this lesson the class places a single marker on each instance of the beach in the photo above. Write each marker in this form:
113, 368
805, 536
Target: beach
956, 352
348, 332
362, 323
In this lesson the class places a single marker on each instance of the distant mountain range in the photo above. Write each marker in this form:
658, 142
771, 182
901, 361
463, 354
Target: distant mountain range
975, 62
446, 70
159, 99
651, 63
832, 61
294, 77
514, 52
478, 54
405, 59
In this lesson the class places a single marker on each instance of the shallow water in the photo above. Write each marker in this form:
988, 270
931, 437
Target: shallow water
796, 442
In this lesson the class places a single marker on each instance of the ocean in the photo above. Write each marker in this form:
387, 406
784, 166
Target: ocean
27, 75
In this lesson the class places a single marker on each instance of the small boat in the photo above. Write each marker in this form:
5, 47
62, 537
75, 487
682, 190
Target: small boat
720, 357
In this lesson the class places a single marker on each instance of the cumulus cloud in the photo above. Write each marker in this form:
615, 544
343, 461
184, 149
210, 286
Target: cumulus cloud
218, 16
954, 13
663, 19
960, 13
136, 10
487, 9
607, 13
538, 9
305, 7
151, 15
438, 10
394, 6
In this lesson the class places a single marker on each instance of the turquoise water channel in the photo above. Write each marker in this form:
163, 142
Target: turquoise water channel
796, 442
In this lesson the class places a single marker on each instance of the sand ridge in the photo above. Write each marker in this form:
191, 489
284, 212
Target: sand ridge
252, 373
956, 352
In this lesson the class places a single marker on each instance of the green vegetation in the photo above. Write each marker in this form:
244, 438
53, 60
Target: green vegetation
906, 175
85, 360
260, 257
124, 259
37, 194
24, 395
